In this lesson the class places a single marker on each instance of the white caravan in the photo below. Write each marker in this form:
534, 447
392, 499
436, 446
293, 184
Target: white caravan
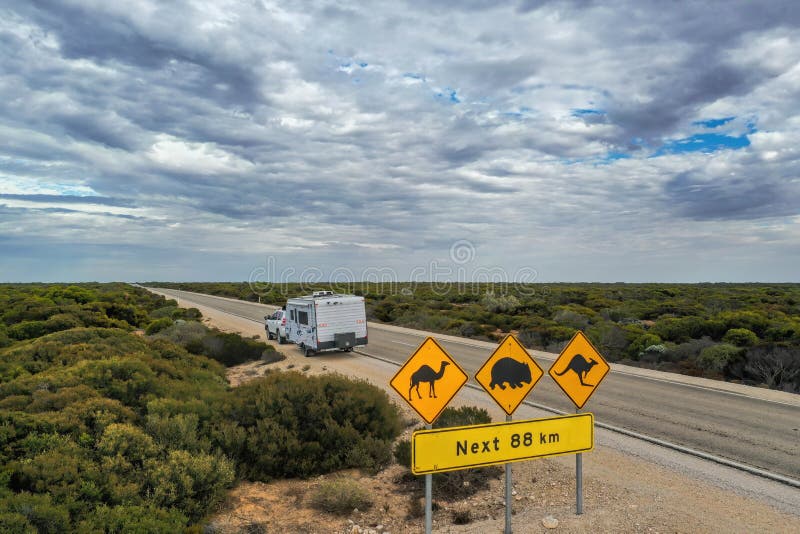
326, 321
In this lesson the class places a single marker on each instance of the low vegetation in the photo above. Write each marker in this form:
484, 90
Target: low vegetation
115, 414
671, 327
341, 495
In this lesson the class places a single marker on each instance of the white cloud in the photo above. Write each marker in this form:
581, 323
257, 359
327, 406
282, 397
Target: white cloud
195, 158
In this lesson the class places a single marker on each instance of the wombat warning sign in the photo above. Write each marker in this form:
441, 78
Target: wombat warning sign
509, 374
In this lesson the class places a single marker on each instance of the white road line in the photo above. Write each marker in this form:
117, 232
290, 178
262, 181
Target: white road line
403, 343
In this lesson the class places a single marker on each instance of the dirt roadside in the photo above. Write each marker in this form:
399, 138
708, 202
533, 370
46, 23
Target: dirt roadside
623, 491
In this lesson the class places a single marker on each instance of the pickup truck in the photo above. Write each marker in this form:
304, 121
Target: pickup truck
275, 325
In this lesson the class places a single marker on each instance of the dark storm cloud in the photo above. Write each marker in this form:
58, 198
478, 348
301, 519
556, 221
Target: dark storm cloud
700, 80
88, 33
744, 198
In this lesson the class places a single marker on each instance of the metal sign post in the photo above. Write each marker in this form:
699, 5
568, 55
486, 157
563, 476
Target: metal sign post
578, 481
428, 498
508, 491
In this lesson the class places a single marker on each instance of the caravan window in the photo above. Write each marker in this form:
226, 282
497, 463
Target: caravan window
302, 317
291, 313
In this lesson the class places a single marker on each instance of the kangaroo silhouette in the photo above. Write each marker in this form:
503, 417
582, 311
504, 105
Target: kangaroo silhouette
581, 367
426, 374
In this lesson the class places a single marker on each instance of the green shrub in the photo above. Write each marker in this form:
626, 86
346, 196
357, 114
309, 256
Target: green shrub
638, 346
402, 453
175, 432
741, 337
654, 353
128, 442
716, 358
4, 339
15, 523
688, 351
191, 314
158, 325
168, 312
92, 416
134, 519
27, 330
340, 495
187, 334
232, 349
500, 303
37, 510
290, 425
59, 472
62, 321
189, 482
462, 416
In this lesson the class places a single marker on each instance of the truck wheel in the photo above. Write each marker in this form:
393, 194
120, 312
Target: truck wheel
269, 335
307, 352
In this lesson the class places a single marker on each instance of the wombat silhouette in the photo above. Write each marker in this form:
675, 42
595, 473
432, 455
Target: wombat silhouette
581, 367
509, 370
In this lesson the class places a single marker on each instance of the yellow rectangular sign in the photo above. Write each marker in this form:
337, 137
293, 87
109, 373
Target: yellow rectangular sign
449, 449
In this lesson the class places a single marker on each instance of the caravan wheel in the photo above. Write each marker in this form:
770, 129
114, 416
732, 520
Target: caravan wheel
307, 352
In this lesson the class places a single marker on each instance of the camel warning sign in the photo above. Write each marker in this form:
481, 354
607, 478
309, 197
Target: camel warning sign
429, 380
509, 374
579, 369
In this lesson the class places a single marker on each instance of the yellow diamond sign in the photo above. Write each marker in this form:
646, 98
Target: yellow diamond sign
579, 369
509, 374
429, 380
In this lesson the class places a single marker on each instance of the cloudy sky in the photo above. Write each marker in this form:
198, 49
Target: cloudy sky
544, 140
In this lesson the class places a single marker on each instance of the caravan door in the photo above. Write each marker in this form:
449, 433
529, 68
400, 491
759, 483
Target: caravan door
303, 324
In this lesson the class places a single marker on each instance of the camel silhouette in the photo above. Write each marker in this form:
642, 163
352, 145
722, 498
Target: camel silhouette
426, 374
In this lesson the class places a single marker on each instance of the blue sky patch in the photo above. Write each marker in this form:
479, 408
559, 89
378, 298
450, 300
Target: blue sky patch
713, 123
582, 112
613, 156
450, 94
706, 142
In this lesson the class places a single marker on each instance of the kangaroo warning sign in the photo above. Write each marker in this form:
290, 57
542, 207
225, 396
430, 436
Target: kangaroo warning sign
509, 374
579, 369
429, 380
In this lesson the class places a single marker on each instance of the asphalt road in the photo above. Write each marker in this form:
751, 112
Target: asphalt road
738, 426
